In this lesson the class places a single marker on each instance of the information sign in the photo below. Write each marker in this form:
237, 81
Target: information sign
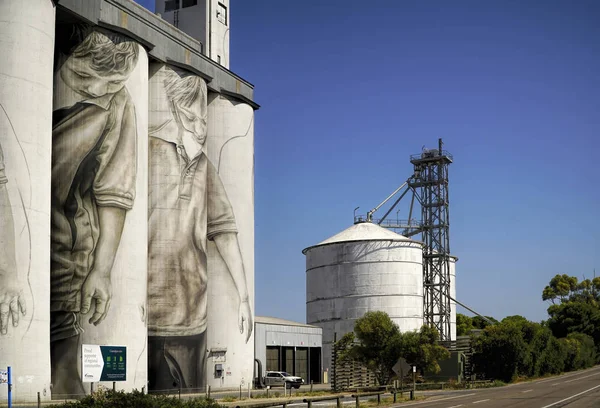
103, 363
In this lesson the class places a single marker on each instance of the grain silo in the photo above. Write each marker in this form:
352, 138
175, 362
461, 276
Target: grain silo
363, 268
452, 265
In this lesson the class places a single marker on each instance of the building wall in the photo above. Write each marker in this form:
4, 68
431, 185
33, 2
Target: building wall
191, 20
99, 202
268, 335
26, 44
280, 335
128, 306
76, 105
230, 147
208, 21
219, 32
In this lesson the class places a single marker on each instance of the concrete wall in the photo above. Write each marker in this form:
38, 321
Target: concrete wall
191, 20
75, 177
99, 202
230, 147
201, 230
128, 303
26, 44
208, 22
219, 33
346, 280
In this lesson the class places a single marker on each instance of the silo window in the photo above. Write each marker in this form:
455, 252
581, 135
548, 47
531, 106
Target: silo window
222, 13
171, 5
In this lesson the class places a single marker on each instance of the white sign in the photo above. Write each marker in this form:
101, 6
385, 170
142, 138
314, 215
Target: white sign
414, 369
3, 376
91, 363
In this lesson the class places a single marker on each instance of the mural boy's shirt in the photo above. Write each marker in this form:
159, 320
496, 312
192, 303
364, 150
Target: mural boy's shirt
3, 179
94, 162
187, 205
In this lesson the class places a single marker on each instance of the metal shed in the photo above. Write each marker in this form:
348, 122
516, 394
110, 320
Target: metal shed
284, 345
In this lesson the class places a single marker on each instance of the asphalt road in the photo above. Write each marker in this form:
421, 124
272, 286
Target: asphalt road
572, 390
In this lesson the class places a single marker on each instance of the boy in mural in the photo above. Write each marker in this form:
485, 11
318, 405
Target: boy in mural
93, 185
12, 300
188, 205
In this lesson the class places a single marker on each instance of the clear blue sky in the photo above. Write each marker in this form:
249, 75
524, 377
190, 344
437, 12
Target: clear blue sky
349, 89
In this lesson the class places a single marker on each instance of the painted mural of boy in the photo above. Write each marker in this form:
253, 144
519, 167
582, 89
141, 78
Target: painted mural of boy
93, 185
188, 205
12, 301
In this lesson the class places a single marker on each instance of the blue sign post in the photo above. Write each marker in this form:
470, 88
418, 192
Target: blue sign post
9, 387
6, 378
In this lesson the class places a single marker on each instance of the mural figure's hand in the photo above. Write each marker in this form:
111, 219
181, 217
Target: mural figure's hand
11, 302
97, 289
245, 315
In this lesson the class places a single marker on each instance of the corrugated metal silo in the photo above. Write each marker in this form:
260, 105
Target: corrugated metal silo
453, 295
363, 268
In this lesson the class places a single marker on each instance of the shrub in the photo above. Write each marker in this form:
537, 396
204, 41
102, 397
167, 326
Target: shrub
137, 399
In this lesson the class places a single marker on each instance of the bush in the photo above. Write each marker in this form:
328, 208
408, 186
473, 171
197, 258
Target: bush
499, 352
586, 351
552, 359
137, 399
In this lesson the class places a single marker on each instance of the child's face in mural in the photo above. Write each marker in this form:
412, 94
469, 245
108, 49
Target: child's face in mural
79, 75
193, 120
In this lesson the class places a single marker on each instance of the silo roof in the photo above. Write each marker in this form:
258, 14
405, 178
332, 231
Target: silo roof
363, 231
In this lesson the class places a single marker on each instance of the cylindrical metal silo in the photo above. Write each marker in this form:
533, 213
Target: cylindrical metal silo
363, 268
453, 295
26, 46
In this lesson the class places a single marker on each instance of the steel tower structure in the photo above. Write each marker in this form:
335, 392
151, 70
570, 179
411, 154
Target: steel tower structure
430, 185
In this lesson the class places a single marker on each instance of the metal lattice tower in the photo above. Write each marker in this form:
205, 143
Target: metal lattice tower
430, 184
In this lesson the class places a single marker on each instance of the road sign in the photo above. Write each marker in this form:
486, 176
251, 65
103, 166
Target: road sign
401, 367
103, 363
414, 369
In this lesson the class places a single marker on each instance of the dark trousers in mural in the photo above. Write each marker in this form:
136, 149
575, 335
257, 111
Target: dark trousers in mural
64, 342
176, 362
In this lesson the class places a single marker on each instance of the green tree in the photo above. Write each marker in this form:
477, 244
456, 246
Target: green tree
552, 358
575, 317
422, 349
464, 324
563, 288
480, 323
344, 348
581, 352
499, 352
379, 344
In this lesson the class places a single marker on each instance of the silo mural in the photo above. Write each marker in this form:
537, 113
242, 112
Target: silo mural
129, 272
188, 207
230, 147
94, 171
26, 43
126, 204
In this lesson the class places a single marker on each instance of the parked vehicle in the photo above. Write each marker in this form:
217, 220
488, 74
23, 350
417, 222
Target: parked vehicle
281, 378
